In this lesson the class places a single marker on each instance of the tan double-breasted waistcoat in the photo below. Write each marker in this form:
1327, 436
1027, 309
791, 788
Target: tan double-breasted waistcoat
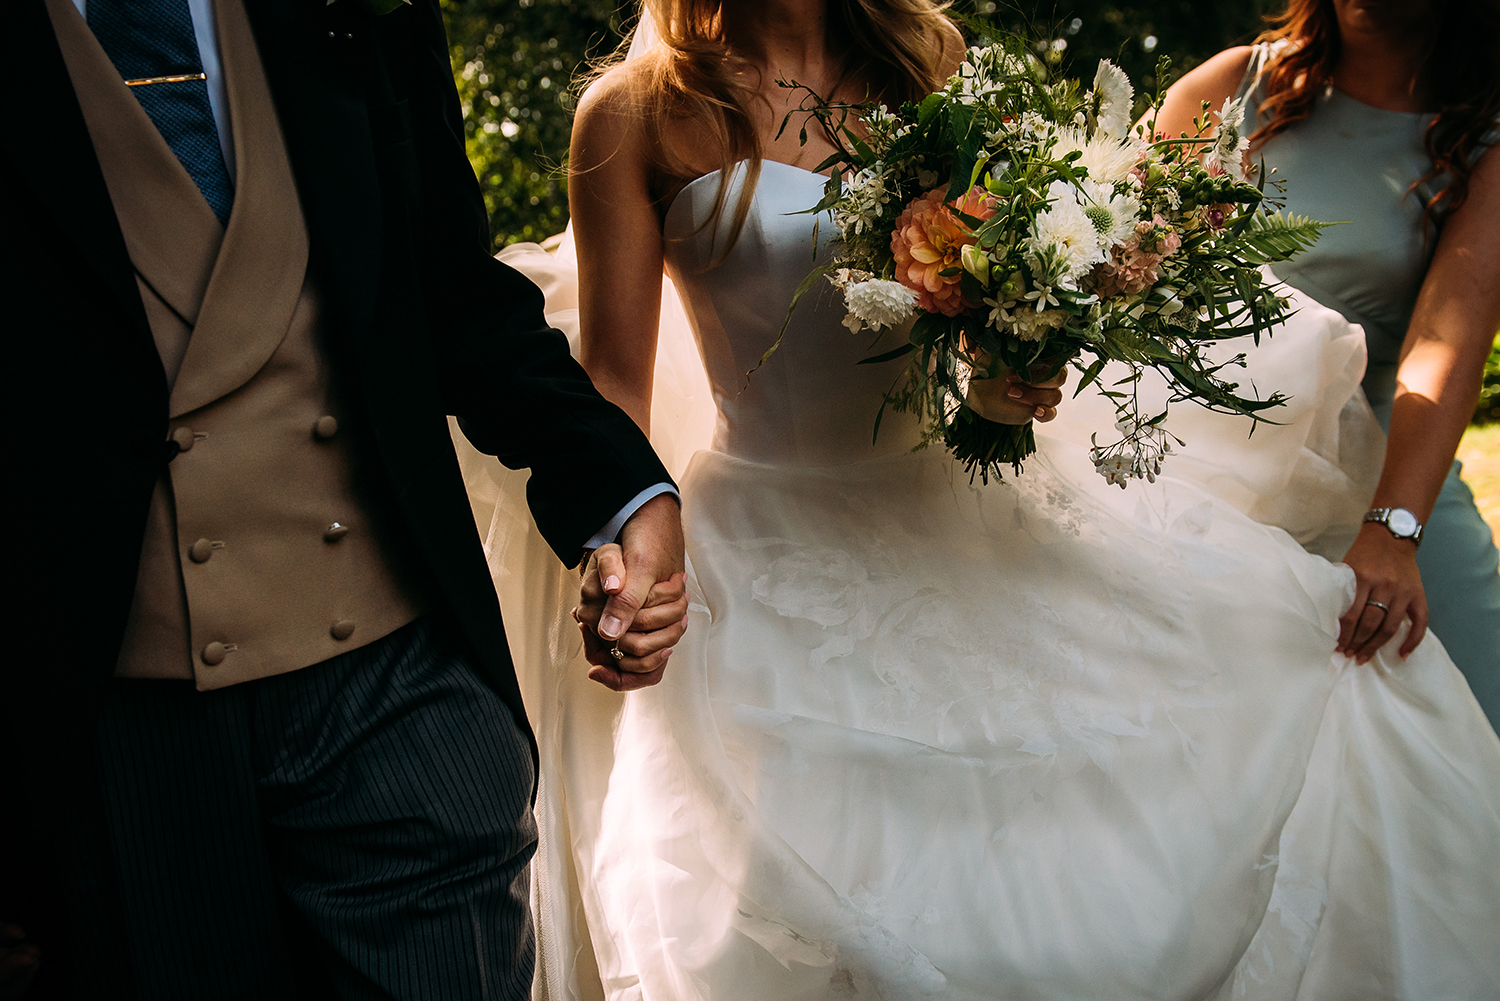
266, 548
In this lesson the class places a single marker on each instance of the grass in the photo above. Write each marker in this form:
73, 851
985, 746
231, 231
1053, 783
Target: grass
1480, 453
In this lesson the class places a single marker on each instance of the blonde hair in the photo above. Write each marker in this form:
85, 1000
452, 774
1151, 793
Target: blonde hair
688, 73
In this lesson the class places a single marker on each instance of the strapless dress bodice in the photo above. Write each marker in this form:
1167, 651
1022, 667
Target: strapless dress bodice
811, 403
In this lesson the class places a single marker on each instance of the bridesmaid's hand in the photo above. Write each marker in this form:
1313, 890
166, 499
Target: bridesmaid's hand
1008, 400
1385, 571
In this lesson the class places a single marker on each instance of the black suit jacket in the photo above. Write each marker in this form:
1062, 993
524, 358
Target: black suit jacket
423, 323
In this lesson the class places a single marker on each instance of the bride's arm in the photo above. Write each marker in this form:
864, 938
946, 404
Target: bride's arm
619, 239
1442, 367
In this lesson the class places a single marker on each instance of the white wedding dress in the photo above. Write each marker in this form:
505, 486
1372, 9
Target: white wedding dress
927, 738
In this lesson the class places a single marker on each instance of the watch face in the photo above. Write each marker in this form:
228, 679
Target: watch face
1402, 522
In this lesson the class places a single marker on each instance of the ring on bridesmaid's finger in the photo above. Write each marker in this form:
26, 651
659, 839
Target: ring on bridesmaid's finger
616, 652
1382, 607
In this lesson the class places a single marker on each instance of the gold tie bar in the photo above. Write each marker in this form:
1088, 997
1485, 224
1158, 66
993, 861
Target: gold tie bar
184, 78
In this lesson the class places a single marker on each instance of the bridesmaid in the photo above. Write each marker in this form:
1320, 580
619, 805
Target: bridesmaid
1377, 114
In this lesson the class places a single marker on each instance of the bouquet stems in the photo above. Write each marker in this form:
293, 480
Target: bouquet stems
984, 446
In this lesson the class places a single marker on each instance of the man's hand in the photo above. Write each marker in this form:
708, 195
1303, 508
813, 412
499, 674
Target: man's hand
1008, 400
634, 599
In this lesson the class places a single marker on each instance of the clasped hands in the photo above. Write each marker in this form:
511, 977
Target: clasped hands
634, 599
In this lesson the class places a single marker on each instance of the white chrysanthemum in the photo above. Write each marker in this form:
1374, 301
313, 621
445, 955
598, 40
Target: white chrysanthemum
1113, 215
880, 303
1064, 237
1029, 325
1228, 150
1116, 100
1106, 158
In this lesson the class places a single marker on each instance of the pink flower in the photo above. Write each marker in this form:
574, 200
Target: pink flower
929, 239
1133, 265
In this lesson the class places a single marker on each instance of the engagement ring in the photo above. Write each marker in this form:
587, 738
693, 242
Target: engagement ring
616, 652
1383, 608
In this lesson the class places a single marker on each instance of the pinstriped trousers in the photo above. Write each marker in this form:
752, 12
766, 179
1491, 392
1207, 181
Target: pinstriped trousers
359, 829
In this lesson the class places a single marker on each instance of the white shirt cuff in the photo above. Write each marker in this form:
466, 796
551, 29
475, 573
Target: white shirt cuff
610, 532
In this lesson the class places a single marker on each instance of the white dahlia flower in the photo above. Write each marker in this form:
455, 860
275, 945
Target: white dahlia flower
1108, 159
1064, 239
1113, 215
880, 303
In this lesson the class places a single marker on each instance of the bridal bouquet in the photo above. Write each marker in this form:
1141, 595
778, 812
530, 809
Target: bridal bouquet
1022, 224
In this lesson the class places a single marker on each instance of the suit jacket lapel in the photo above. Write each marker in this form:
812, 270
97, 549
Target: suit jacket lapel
47, 141
258, 275
315, 59
172, 235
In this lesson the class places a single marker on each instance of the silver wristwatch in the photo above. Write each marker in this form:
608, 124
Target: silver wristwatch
1398, 521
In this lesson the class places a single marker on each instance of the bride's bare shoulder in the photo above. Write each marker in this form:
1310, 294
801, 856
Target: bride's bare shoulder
612, 113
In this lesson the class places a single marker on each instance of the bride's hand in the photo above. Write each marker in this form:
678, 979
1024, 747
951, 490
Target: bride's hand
1008, 400
1385, 571
634, 599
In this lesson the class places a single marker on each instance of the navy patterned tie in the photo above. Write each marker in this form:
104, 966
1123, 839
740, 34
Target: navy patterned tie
153, 46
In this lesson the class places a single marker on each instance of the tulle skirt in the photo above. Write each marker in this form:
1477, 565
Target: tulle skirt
927, 738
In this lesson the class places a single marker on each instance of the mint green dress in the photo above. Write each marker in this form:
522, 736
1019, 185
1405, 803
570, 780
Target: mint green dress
1353, 163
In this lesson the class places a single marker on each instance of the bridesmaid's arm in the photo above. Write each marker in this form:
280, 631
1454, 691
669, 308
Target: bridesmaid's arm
1442, 366
1213, 82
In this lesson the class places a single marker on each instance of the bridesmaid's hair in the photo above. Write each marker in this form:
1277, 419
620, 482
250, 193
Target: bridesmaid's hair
1463, 70
688, 73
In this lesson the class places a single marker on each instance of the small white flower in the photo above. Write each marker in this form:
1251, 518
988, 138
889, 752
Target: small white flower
1000, 313
1137, 455
864, 198
880, 303
1041, 296
1116, 100
1228, 150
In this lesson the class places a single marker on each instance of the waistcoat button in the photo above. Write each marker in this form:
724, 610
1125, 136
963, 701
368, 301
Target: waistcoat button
325, 427
200, 551
183, 437
335, 532
342, 629
213, 654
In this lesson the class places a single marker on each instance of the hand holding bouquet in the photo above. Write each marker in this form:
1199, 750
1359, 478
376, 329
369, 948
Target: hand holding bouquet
1021, 225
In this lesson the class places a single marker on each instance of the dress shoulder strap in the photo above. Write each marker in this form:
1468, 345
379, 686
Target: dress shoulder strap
1262, 54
